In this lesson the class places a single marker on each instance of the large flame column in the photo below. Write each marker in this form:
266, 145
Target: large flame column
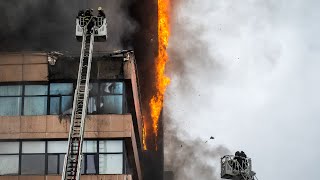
162, 81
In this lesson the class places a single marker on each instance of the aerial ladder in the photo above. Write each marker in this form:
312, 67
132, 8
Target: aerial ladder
237, 168
73, 157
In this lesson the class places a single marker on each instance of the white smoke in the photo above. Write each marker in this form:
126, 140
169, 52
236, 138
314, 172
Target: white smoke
247, 73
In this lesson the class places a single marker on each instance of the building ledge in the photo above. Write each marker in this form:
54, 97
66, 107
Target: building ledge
51, 126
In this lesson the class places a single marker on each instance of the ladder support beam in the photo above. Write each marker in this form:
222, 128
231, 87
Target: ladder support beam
73, 158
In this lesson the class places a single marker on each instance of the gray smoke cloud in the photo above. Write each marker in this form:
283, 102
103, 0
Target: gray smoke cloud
246, 72
191, 157
46, 25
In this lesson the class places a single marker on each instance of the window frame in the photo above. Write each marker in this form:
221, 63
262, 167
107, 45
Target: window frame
99, 82
24, 83
46, 156
15, 96
74, 83
100, 95
15, 154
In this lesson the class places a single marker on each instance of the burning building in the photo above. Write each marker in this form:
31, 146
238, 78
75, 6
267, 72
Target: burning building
36, 98
123, 134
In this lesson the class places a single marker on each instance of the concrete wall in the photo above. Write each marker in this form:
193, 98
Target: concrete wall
130, 72
51, 126
23, 67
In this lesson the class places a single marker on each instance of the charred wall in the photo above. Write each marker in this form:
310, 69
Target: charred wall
145, 42
101, 68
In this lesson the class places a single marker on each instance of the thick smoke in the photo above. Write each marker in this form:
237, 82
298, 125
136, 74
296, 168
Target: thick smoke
246, 72
191, 157
46, 25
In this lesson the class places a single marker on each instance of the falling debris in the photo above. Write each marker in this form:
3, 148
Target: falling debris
53, 56
209, 139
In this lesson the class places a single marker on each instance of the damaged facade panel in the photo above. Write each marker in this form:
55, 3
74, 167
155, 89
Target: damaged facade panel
101, 68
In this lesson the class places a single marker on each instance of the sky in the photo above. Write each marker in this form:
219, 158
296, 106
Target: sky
247, 73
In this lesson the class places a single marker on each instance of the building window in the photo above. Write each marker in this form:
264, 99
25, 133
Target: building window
9, 158
33, 157
56, 153
93, 101
90, 155
35, 100
57, 99
10, 100
111, 157
106, 98
47, 157
111, 94
61, 98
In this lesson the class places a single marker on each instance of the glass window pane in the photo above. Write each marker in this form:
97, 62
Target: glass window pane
9, 164
93, 89
36, 90
89, 146
14, 90
112, 104
33, 147
53, 164
33, 164
61, 88
92, 105
57, 146
54, 105
111, 146
35, 106
111, 88
91, 164
10, 106
82, 166
66, 103
110, 163
61, 162
9, 147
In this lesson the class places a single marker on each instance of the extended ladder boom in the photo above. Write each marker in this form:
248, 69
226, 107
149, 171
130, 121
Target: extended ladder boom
73, 158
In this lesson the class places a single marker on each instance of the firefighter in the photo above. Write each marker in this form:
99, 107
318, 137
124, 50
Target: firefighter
238, 159
242, 154
244, 160
81, 13
101, 12
88, 18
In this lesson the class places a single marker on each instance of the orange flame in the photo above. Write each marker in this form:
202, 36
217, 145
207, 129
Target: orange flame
162, 81
144, 136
